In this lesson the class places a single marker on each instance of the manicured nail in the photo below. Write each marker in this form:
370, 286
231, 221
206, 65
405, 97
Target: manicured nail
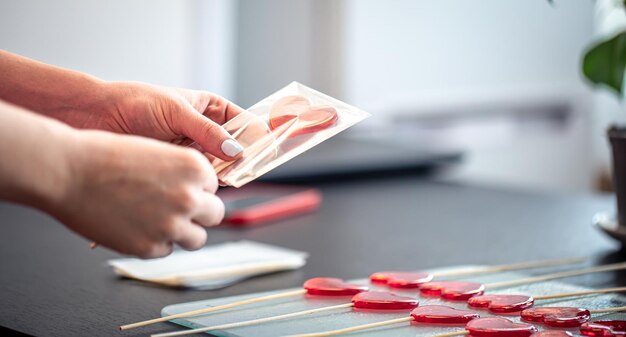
231, 147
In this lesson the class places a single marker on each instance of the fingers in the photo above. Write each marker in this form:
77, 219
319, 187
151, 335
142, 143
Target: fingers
190, 236
215, 107
210, 212
220, 109
153, 251
210, 136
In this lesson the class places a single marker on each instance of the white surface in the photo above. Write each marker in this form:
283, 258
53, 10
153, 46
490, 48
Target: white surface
212, 267
183, 43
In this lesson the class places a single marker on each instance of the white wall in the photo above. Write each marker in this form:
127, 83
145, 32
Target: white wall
397, 48
158, 41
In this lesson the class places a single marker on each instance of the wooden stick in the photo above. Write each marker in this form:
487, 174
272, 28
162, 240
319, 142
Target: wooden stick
581, 293
253, 321
554, 276
510, 267
355, 328
601, 311
451, 334
213, 309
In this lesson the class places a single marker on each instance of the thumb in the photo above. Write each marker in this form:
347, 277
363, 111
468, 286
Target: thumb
211, 136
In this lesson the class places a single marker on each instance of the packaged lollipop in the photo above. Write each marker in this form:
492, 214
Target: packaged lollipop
280, 127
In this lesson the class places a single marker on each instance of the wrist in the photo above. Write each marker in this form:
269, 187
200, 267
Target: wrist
60, 175
39, 170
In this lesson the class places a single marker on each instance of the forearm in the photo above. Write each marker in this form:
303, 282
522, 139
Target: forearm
59, 93
34, 169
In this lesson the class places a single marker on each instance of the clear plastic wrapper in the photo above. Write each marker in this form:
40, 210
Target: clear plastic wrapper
280, 127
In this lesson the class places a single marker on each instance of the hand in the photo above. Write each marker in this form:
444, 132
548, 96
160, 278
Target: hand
179, 116
137, 195
83, 101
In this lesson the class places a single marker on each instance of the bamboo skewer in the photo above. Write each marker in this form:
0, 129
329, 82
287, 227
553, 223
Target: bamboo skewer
581, 293
349, 305
216, 308
475, 271
554, 276
510, 267
355, 328
253, 321
604, 311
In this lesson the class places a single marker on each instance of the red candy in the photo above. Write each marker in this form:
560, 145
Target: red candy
502, 303
401, 279
608, 328
328, 286
498, 327
560, 317
298, 110
452, 290
441, 314
552, 334
379, 300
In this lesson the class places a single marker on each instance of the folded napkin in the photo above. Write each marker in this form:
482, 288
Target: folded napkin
211, 267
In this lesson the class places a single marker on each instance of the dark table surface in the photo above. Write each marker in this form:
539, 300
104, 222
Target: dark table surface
52, 284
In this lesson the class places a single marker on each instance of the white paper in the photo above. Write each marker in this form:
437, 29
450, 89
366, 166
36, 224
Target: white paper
213, 266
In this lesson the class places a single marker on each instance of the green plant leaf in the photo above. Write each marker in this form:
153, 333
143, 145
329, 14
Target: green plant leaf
605, 63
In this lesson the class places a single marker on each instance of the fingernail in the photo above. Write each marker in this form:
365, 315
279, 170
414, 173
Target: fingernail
231, 147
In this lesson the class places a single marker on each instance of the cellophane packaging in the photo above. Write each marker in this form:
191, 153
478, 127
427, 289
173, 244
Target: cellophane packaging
280, 127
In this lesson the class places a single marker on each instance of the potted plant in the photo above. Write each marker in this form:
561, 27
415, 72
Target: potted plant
604, 64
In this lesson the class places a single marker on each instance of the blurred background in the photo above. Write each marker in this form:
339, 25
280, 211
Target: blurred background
496, 80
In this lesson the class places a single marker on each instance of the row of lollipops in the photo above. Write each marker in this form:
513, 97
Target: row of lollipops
452, 290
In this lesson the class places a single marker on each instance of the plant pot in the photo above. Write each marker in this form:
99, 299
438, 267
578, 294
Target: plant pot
615, 226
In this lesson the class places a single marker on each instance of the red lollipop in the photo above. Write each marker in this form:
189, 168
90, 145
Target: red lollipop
560, 317
441, 314
502, 303
330, 286
452, 290
498, 327
604, 328
306, 118
401, 279
379, 300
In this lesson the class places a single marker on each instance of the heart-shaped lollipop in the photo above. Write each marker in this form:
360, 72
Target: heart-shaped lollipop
604, 328
379, 300
441, 314
498, 327
502, 303
401, 279
305, 118
452, 290
329, 286
560, 317
552, 334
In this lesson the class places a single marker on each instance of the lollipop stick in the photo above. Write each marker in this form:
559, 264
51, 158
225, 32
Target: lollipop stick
450, 334
355, 328
253, 321
581, 293
554, 276
602, 311
216, 308
509, 267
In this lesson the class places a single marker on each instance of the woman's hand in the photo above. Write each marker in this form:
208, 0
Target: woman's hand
132, 194
179, 116
138, 196
174, 115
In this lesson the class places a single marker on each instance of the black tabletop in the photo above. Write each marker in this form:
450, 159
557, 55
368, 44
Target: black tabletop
52, 284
